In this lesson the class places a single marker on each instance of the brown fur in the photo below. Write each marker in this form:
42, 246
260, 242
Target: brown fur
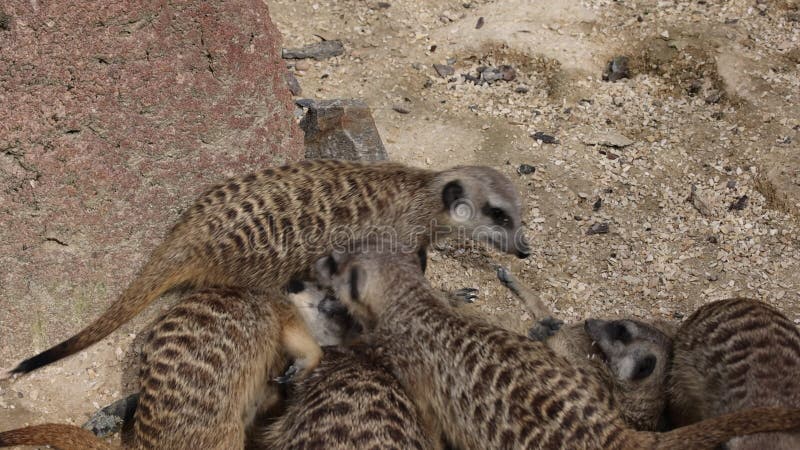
593, 346
492, 388
261, 230
351, 401
56, 435
208, 367
733, 355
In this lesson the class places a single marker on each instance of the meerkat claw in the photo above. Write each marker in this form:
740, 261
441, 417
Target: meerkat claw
289, 375
545, 328
467, 295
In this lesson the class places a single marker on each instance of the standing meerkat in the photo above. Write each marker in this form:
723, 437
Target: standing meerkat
492, 388
208, 368
351, 401
629, 357
732, 355
261, 230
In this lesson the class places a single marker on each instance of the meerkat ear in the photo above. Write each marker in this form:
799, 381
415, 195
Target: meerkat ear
452, 192
326, 267
422, 253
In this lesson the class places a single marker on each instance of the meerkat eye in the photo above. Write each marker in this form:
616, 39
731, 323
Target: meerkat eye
644, 367
498, 216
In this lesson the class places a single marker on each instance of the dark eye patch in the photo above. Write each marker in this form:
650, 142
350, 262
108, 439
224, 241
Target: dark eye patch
452, 192
618, 332
354, 284
498, 216
330, 263
422, 253
644, 367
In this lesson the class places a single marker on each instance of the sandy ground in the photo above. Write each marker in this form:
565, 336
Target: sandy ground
713, 101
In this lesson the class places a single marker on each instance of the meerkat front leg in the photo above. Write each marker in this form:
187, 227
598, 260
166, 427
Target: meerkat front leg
302, 348
546, 325
545, 328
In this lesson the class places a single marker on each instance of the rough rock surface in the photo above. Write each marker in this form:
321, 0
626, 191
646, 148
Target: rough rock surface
341, 129
113, 117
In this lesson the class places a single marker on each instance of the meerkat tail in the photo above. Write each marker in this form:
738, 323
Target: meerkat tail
60, 436
151, 283
717, 430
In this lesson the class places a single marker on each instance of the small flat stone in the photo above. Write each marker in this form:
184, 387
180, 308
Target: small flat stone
617, 69
479, 24
739, 204
444, 70
545, 138
605, 138
342, 129
714, 97
699, 202
401, 109
319, 51
294, 85
526, 169
598, 228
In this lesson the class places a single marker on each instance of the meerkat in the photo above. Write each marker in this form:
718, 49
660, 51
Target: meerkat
266, 228
351, 401
208, 367
732, 355
629, 357
492, 388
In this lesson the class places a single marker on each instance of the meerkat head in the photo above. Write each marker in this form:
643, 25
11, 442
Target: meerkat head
637, 356
482, 204
361, 279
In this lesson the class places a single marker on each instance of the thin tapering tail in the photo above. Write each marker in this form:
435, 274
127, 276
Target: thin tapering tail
151, 283
60, 436
718, 430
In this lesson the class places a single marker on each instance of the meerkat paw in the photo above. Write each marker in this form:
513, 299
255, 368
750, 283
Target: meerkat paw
508, 280
504, 275
545, 328
466, 295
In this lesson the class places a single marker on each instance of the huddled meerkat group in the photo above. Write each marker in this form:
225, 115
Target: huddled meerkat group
310, 324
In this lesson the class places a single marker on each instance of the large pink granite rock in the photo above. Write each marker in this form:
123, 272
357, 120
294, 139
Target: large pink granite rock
113, 117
